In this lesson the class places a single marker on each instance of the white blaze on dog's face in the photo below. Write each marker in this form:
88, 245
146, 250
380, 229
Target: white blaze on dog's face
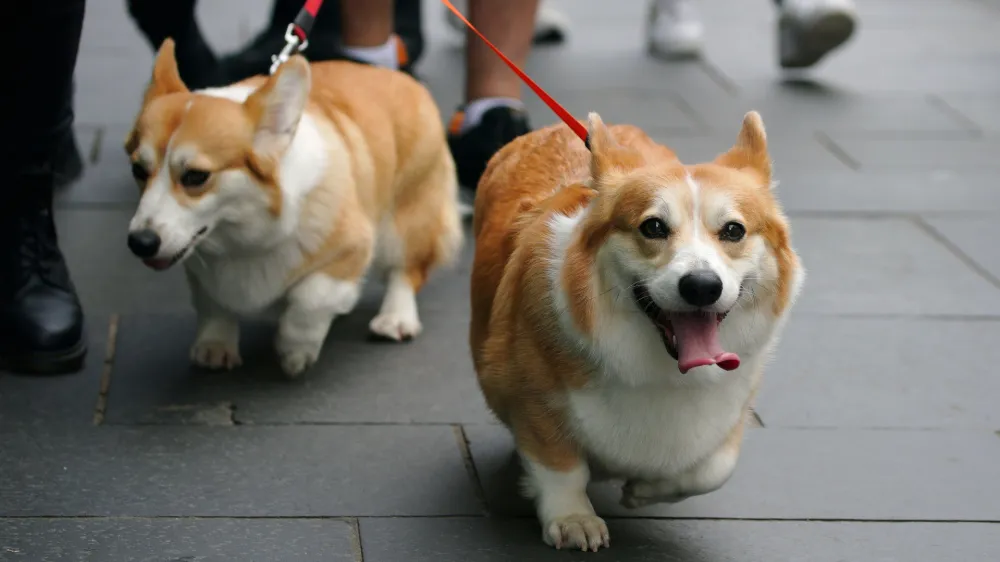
207, 162
691, 243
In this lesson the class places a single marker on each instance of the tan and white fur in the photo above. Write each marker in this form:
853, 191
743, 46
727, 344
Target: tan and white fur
282, 193
579, 260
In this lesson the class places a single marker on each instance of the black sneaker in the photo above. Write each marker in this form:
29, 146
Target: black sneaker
474, 148
41, 320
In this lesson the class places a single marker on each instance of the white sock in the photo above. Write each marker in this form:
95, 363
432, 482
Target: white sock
383, 55
475, 109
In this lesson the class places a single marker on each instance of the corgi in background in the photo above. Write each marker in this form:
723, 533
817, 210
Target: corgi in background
624, 305
281, 193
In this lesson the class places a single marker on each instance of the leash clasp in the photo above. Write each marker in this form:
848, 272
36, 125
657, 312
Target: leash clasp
292, 45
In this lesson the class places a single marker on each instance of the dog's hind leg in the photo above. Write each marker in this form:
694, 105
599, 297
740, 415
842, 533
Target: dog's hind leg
424, 232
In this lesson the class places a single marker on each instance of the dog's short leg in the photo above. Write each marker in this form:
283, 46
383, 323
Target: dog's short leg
398, 319
704, 477
312, 305
564, 510
217, 344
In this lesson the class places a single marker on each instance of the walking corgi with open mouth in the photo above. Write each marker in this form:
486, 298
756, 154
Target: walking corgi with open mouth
624, 305
283, 192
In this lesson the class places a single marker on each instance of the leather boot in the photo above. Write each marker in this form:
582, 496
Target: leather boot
41, 320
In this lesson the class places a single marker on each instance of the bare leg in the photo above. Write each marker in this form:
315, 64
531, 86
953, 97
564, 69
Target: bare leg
510, 25
366, 23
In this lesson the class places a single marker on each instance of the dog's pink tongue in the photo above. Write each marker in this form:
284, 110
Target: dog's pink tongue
698, 342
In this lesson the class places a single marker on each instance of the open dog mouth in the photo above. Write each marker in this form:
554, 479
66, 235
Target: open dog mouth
159, 264
692, 338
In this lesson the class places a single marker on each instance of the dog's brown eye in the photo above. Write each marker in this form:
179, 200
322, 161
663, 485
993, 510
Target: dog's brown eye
732, 231
138, 172
194, 178
654, 228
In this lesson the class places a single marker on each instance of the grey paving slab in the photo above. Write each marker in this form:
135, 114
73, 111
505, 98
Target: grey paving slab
106, 179
108, 277
109, 87
818, 108
900, 191
883, 373
175, 540
973, 237
236, 471
429, 380
487, 539
800, 151
921, 154
885, 266
653, 111
68, 400
804, 474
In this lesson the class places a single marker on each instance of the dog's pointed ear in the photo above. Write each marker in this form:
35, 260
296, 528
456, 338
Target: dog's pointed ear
166, 78
606, 154
277, 106
750, 151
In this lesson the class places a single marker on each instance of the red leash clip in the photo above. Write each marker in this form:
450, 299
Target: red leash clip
296, 36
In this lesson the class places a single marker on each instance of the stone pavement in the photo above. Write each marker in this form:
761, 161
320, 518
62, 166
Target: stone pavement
880, 436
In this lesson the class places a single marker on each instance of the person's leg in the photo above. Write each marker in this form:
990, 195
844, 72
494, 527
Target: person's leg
551, 25
159, 19
366, 32
673, 29
810, 29
493, 114
41, 321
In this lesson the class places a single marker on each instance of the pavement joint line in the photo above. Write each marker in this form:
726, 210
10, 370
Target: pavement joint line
836, 150
720, 78
347, 519
953, 113
470, 466
95, 145
958, 252
689, 111
109, 359
356, 546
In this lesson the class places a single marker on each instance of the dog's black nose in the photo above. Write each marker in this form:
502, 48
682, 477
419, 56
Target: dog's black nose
144, 243
700, 288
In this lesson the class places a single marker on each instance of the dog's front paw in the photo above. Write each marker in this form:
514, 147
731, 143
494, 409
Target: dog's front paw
586, 532
296, 361
213, 354
396, 326
640, 493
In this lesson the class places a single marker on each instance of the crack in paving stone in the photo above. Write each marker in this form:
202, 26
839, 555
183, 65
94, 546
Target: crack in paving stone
356, 546
109, 359
95, 145
965, 258
470, 466
208, 414
837, 151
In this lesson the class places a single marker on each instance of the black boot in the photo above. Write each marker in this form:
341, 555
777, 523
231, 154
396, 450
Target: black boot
41, 320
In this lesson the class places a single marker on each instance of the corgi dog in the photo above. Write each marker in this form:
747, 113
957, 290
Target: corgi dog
623, 307
280, 193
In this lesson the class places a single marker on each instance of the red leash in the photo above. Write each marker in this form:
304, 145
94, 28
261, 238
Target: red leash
296, 36
559, 110
296, 40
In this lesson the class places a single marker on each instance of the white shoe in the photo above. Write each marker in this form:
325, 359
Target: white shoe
809, 29
551, 25
673, 29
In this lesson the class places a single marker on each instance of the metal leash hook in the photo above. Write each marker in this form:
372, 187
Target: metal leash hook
293, 44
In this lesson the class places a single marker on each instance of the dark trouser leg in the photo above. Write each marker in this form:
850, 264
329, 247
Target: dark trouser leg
41, 323
160, 19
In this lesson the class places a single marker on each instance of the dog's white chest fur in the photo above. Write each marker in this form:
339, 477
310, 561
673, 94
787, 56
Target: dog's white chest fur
655, 431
